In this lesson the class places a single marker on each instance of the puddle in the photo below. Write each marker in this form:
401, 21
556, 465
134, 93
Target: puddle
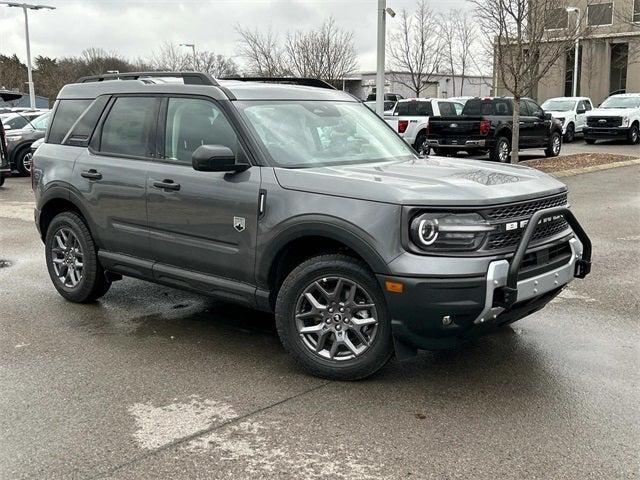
5, 263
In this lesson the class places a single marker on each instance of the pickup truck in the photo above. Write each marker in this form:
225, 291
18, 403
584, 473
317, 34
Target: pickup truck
410, 118
571, 112
617, 118
486, 124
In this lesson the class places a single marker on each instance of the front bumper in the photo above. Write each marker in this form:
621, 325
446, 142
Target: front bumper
439, 313
610, 133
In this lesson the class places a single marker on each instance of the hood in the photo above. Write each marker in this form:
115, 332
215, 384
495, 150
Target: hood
609, 112
432, 181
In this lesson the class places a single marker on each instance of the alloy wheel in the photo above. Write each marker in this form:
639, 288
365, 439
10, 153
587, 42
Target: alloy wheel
67, 258
503, 151
26, 162
556, 144
336, 318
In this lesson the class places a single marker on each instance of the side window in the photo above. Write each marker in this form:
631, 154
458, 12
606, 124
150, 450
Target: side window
534, 108
447, 109
193, 122
129, 126
587, 105
83, 129
66, 114
41, 122
524, 111
423, 109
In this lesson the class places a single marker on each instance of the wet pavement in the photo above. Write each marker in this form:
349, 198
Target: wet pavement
154, 383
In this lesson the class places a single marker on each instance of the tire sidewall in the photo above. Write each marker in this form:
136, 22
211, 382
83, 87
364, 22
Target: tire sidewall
301, 277
635, 128
571, 133
20, 161
91, 269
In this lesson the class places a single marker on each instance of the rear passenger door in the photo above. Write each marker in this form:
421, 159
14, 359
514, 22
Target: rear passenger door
540, 126
202, 222
526, 125
110, 175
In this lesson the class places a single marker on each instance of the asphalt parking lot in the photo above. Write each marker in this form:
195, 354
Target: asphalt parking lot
155, 383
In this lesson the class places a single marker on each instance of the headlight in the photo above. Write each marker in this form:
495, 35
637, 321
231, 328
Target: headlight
625, 121
459, 232
560, 119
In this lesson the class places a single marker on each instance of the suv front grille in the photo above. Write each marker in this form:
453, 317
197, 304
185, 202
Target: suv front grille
498, 241
524, 210
604, 122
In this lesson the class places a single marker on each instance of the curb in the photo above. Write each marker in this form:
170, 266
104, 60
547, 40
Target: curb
595, 168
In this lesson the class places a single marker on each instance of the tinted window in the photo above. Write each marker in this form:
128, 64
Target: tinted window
86, 124
66, 114
557, 18
534, 108
447, 109
128, 127
497, 106
414, 109
15, 122
600, 14
191, 123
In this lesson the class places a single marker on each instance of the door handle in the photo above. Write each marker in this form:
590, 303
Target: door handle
91, 174
167, 185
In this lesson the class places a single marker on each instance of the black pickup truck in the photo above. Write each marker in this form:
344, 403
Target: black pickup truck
485, 126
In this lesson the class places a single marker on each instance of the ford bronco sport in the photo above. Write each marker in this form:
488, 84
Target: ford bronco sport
298, 200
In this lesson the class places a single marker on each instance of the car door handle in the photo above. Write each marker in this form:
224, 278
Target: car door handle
91, 174
167, 185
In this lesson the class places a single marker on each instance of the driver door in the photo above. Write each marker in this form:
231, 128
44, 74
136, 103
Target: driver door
202, 222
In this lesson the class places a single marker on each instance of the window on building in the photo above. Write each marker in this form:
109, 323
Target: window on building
636, 11
618, 69
600, 14
557, 18
568, 77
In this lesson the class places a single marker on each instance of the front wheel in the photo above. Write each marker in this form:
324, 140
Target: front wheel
332, 317
554, 146
634, 134
72, 260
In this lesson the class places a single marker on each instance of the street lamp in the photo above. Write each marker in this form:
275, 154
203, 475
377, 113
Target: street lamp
193, 49
382, 21
577, 49
25, 7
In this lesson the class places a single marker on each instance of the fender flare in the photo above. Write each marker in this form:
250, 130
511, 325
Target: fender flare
62, 191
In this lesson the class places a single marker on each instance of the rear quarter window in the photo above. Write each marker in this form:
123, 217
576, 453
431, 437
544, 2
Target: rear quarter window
66, 114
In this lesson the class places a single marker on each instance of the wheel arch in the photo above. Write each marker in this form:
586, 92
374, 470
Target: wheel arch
55, 201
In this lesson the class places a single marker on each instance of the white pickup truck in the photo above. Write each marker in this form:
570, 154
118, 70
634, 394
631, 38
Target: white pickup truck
571, 111
617, 118
410, 118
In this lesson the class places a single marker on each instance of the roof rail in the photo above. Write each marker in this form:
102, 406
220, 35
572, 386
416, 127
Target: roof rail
305, 82
189, 78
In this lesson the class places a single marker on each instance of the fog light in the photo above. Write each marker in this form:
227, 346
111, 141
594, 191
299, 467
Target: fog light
446, 320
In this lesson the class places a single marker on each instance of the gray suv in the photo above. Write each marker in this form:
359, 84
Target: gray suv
295, 199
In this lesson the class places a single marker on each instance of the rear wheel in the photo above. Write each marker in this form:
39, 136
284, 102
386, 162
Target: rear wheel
554, 145
23, 161
332, 317
501, 150
72, 260
633, 136
570, 134
421, 146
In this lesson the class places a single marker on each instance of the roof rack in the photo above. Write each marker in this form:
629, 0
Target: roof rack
189, 78
305, 82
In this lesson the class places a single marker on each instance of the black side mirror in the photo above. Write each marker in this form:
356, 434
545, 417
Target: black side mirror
581, 111
546, 116
216, 158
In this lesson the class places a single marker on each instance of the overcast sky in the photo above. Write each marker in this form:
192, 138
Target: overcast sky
134, 28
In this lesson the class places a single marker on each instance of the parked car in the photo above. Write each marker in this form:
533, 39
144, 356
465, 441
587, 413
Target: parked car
388, 106
486, 125
618, 117
300, 201
5, 166
392, 97
410, 118
571, 112
25, 129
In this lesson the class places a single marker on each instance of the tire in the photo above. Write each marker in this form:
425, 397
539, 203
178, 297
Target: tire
86, 282
633, 137
23, 161
554, 146
420, 144
589, 141
570, 134
318, 277
1, 180
497, 153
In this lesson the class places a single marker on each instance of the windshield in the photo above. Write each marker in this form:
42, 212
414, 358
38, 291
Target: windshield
558, 105
14, 121
621, 102
302, 134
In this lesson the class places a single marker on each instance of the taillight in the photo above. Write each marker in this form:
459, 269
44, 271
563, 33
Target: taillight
402, 125
485, 126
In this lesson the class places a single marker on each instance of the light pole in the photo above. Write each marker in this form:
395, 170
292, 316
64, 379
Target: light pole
382, 20
577, 49
193, 49
25, 7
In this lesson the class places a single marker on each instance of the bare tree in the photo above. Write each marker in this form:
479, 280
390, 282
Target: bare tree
459, 35
416, 48
216, 65
524, 50
328, 53
263, 53
171, 57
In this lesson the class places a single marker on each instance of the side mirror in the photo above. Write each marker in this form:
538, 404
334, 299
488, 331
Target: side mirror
216, 158
547, 116
580, 111
7, 127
